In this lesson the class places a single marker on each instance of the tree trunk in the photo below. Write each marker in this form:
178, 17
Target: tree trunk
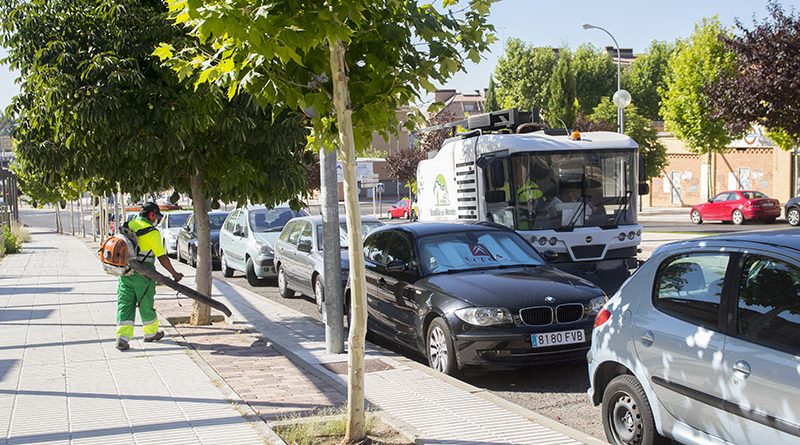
95, 218
72, 217
712, 171
80, 215
58, 217
356, 419
334, 300
201, 313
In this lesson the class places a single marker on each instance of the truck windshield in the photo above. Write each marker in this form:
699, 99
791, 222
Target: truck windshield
565, 190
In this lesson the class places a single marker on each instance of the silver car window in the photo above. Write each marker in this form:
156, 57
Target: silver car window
689, 287
768, 310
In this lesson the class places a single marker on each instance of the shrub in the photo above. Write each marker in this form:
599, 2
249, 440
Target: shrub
11, 243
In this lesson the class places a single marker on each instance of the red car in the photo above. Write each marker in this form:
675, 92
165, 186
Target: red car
400, 209
737, 206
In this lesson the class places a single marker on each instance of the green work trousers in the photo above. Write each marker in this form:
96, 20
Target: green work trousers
134, 290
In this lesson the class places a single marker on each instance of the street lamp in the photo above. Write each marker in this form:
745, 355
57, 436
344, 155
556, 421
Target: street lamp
621, 97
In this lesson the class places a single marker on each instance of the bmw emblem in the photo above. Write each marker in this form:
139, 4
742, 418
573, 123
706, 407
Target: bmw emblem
549, 299
588, 239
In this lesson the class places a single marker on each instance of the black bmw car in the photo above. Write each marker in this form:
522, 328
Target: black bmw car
475, 295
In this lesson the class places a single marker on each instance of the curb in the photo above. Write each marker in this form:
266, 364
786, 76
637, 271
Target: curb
401, 426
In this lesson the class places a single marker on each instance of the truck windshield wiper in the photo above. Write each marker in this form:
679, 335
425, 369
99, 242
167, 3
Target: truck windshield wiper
623, 207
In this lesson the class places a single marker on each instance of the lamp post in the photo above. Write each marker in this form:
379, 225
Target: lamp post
621, 97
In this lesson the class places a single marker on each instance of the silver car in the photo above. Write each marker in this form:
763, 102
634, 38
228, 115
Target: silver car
702, 344
170, 226
299, 259
247, 240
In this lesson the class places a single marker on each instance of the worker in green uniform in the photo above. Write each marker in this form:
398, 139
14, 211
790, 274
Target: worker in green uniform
137, 290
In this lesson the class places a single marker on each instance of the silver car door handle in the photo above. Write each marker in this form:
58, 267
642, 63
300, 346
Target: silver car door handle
741, 369
648, 338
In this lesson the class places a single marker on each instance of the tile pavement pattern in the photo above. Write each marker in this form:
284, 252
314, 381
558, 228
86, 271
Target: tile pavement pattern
63, 382
274, 386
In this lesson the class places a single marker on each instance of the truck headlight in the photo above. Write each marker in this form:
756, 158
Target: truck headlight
484, 316
595, 304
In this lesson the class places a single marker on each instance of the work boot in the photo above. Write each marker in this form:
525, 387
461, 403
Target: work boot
158, 336
122, 344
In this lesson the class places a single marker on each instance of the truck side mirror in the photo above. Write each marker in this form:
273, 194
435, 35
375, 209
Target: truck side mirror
494, 196
498, 173
644, 188
642, 171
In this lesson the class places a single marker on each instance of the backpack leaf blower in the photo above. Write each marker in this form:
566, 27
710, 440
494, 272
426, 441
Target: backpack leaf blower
118, 255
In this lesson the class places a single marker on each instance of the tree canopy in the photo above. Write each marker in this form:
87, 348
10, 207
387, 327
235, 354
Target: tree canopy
595, 76
647, 75
491, 96
763, 85
695, 64
561, 107
522, 75
95, 104
640, 129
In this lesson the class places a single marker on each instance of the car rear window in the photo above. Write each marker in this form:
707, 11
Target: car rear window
754, 195
178, 219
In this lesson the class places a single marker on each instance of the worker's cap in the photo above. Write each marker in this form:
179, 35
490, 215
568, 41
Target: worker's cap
150, 207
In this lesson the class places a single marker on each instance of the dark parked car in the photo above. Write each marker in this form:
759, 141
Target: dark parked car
299, 258
475, 295
187, 239
793, 211
737, 206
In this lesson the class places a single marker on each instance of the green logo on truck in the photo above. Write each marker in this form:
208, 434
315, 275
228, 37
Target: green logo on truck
440, 191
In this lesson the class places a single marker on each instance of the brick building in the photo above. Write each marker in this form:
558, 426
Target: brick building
754, 162
461, 104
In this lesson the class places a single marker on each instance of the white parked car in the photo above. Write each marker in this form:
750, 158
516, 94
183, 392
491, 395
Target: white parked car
170, 226
247, 240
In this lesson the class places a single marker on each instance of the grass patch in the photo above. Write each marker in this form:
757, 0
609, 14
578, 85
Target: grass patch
330, 429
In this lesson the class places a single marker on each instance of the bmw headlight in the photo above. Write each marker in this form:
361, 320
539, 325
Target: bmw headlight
265, 249
484, 316
597, 303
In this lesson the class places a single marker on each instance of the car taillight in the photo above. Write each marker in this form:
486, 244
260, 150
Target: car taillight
601, 317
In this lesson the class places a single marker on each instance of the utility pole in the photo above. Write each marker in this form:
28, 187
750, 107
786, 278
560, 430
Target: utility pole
333, 310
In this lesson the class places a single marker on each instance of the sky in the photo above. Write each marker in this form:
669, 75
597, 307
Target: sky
634, 23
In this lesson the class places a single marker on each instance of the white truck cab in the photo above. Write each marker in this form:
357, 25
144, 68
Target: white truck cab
573, 196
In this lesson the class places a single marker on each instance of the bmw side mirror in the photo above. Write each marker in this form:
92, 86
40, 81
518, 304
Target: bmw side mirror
304, 246
397, 266
710, 200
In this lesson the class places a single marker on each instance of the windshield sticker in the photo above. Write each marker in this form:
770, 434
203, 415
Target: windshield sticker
480, 254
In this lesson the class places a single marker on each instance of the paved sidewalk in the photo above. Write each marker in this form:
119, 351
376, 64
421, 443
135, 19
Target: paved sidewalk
63, 381
434, 408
